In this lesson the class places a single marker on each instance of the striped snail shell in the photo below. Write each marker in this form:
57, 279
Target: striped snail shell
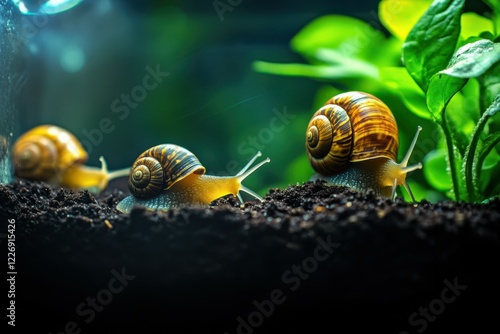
352, 141
168, 176
159, 167
350, 127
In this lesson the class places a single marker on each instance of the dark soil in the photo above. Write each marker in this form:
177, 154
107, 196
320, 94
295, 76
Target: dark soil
311, 256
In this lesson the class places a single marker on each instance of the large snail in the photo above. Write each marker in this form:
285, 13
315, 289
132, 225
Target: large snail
353, 141
167, 176
54, 155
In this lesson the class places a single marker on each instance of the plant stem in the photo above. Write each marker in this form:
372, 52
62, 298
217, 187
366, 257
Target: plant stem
471, 175
469, 157
496, 16
451, 155
483, 96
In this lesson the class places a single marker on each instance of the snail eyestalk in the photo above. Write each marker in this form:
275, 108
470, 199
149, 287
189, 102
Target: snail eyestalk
244, 169
245, 172
401, 180
404, 163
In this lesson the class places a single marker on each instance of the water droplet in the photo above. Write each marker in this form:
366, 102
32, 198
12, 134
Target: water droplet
72, 58
33, 48
43, 7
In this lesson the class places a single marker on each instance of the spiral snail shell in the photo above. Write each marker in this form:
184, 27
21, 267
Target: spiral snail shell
353, 141
42, 152
169, 175
54, 155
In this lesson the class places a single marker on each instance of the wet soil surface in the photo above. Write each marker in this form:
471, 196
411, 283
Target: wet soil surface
310, 256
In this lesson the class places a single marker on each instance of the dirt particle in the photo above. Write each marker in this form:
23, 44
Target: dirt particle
319, 208
381, 213
353, 219
108, 224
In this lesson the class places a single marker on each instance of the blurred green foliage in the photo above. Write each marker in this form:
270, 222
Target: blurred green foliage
438, 68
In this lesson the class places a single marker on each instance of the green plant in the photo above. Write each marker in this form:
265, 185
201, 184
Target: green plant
442, 64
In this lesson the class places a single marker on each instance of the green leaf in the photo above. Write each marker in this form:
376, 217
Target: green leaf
399, 16
356, 65
436, 170
473, 59
348, 35
490, 84
314, 71
400, 82
431, 43
441, 89
473, 24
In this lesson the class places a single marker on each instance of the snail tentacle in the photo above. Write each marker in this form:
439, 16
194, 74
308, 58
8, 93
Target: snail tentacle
245, 172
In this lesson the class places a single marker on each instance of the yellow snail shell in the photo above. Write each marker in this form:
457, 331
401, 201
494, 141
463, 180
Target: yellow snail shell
353, 141
54, 155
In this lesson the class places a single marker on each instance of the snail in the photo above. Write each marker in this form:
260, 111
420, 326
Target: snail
168, 175
353, 141
52, 154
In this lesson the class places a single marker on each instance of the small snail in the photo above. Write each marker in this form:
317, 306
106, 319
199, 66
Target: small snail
168, 175
51, 154
353, 141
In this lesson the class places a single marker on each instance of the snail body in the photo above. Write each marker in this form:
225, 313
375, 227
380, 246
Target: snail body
168, 175
353, 141
54, 155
